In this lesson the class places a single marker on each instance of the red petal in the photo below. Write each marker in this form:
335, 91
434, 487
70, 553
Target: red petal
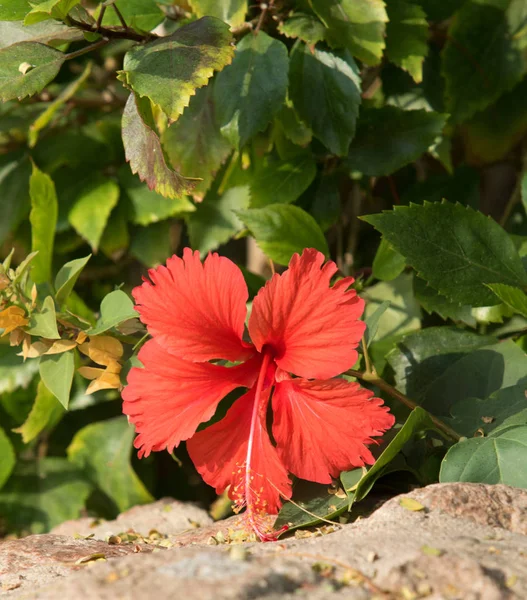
322, 427
312, 329
196, 311
170, 397
221, 455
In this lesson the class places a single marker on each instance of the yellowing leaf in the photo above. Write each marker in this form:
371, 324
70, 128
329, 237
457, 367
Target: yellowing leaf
411, 504
106, 381
61, 346
103, 350
11, 318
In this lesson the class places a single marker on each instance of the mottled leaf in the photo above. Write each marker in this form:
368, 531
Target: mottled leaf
169, 69
145, 154
44, 64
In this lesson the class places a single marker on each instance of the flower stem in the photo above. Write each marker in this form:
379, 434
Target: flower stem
394, 393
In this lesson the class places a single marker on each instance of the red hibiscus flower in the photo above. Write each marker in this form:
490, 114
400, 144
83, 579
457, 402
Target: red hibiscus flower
304, 333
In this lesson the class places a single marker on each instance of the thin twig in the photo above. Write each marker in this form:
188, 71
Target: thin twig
394, 393
111, 33
87, 49
120, 16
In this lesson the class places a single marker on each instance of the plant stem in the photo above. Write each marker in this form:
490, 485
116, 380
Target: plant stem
87, 49
386, 387
370, 369
110, 33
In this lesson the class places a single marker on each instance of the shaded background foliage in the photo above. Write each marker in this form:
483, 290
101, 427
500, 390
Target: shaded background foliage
119, 146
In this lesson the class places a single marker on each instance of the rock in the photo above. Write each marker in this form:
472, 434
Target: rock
497, 505
454, 541
37, 559
167, 516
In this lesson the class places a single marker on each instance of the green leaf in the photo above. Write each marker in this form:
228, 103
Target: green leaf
325, 88
293, 128
67, 277
405, 135
500, 458
14, 371
44, 323
57, 372
91, 211
66, 94
42, 494
8, 461
438, 377
417, 422
142, 15
116, 238
523, 191
170, 69
372, 322
14, 191
512, 296
152, 245
501, 409
311, 502
44, 63
456, 249
116, 308
194, 143
491, 134
231, 11
215, 221
281, 230
43, 218
407, 37
45, 413
145, 154
147, 205
326, 207
276, 181
303, 26
103, 451
14, 10
403, 315
49, 9
434, 302
52, 33
484, 54
388, 263
358, 25
422, 357
250, 91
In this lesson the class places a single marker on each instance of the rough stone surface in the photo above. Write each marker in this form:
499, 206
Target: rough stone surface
168, 516
464, 542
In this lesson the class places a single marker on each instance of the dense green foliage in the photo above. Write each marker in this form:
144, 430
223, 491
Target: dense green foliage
388, 134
